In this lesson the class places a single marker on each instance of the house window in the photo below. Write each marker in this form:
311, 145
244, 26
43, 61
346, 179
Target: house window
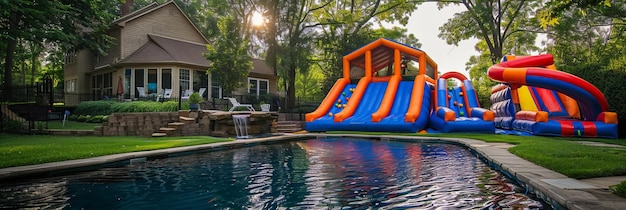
152, 81
70, 56
139, 82
127, 79
183, 78
200, 81
70, 86
102, 86
166, 78
216, 90
258, 86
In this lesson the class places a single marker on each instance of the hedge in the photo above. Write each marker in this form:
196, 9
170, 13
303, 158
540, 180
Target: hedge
95, 108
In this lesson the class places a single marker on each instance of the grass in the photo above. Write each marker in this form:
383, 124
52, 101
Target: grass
619, 189
71, 125
19, 150
563, 155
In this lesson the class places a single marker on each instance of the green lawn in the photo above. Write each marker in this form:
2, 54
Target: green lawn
71, 125
18, 150
563, 155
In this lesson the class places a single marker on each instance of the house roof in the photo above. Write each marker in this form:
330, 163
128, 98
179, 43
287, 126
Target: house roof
260, 67
121, 22
161, 49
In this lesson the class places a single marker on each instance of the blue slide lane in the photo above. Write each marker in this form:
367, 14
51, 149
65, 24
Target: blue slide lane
362, 118
369, 103
363, 115
326, 122
462, 122
395, 121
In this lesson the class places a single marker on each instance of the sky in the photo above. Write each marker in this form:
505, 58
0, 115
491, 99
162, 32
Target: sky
424, 23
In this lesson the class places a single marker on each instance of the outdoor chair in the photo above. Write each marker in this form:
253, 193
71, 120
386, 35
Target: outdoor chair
201, 91
166, 95
236, 104
265, 107
142, 92
186, 94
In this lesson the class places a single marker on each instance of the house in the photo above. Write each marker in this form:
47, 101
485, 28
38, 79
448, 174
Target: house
156, 48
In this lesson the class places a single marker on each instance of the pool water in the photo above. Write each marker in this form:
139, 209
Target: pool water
330, 173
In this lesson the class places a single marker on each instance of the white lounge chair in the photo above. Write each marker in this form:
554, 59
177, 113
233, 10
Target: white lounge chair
186, 94
166, 95
142, 92
201, 91
236, 104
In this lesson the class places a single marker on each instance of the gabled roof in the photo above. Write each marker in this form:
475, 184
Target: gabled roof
121, 22
161, 49
260, 67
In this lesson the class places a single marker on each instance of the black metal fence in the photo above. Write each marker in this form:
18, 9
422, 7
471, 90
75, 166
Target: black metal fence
45, 98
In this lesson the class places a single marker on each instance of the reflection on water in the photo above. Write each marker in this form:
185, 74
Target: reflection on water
313, 174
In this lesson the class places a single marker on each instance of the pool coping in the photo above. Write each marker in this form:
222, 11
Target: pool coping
556, 189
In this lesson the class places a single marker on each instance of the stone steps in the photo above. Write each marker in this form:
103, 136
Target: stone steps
289, 126
6, 112
159, 134
173, 128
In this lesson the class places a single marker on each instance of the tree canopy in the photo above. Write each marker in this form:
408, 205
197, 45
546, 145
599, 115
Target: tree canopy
305, 40
27, 26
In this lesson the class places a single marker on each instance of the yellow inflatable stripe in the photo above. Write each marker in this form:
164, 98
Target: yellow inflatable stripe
526, 99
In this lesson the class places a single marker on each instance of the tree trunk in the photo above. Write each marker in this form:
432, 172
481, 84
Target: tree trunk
291, 89
23, 71
11, 41
34, 49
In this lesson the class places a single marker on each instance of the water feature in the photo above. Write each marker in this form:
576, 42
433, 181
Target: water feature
332, 173
241, 125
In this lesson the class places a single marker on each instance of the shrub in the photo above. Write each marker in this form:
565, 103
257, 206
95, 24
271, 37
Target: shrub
619, 189
83, 118
94, 108
195, 98
145, 106
95, 119
105, 118
73, 117
170, 106
13, 126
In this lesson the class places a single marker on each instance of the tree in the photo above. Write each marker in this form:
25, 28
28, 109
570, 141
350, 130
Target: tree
346, 26
62, 22
495, 22
589, 41
477, 66
308, 83
230, 62
551, 13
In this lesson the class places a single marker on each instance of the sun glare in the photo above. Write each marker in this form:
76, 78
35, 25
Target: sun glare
257, 19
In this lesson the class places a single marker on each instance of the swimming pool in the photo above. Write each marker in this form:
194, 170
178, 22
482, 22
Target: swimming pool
327, 173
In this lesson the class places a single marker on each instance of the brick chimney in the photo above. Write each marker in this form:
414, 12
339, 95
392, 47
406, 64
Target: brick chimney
128, 4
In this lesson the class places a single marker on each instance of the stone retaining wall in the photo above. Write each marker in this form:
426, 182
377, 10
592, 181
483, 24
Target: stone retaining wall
202, 123
135, 124
258, 123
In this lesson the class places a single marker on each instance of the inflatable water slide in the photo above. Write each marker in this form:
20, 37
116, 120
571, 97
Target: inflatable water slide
376, 102
457, 108
540, 100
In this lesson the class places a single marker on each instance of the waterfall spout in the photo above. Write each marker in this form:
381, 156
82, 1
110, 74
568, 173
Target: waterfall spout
241, 126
